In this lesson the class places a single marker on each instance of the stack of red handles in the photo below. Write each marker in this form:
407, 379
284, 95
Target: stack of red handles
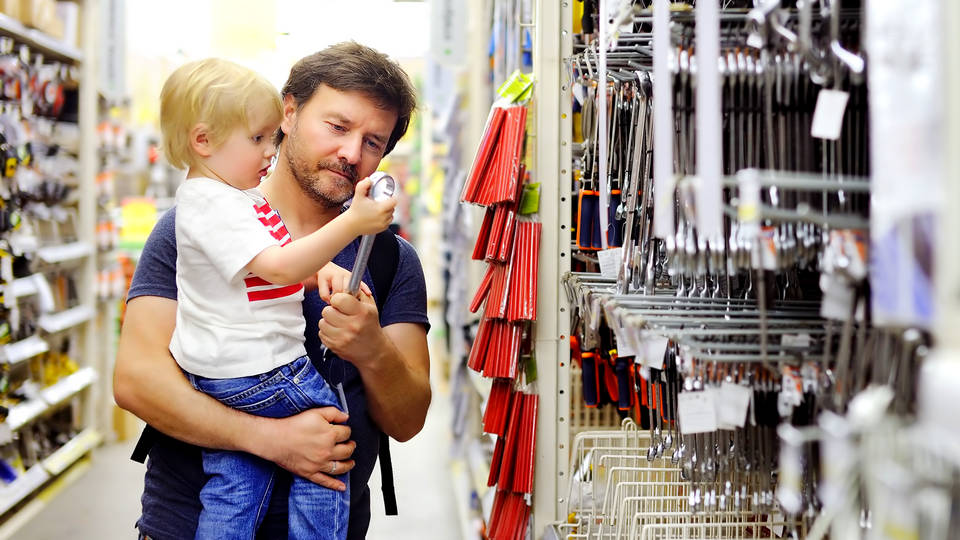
496, 168
512, 467
507, 295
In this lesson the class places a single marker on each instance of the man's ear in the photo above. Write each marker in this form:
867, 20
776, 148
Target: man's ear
200, 140
290, 110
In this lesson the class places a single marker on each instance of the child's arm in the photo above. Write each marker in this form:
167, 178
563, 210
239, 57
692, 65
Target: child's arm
300, 259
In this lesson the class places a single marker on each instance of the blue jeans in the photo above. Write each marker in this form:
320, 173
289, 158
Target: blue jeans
238, 488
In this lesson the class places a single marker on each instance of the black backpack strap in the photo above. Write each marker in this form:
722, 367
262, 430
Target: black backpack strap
147, 439
383, 262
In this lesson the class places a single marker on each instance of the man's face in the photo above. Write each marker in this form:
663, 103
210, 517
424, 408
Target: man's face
334, 140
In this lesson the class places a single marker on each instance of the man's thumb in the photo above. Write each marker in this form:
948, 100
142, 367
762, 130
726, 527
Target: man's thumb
333, 415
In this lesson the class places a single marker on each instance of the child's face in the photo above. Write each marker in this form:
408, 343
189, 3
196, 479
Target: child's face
242, 160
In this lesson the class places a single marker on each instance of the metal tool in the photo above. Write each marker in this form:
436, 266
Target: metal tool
383, 187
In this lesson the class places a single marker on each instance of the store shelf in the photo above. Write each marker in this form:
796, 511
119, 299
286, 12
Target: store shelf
69, 386
23, 486
479, 471
17, 352
39, 41
463, 492
50, 398
65, 252
63, 320
69, 453
38, 475
24, 286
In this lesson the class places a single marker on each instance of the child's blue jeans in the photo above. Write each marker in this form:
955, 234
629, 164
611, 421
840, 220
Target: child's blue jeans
238, 488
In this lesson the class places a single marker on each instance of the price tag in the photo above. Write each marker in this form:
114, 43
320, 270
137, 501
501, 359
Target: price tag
776, 524
791, 392
828, 116
610, 260
515, 87
697, 411
624, 343
579, 93
837, 298
800, 341
733, 404
654, 349
530, 199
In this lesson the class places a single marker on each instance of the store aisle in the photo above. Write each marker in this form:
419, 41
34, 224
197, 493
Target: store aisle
103, 503
421, 467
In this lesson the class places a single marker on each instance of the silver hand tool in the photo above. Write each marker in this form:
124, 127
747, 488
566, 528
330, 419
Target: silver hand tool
382, 188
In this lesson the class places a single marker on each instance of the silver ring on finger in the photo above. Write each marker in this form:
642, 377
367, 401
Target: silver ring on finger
333, 467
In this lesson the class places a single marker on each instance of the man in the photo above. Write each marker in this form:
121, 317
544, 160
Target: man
344, 108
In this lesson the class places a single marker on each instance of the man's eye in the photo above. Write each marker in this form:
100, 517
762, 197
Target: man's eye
337, 127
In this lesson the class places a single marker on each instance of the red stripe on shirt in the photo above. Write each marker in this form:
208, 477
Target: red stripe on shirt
256, 281
271, 220
271, 294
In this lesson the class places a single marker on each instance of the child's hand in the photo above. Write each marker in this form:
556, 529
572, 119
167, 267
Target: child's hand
369, 215
332, 279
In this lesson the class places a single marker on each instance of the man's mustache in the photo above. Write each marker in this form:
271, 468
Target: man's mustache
343, 168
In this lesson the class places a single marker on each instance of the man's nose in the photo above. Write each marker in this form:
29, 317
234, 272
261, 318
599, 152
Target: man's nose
350, 149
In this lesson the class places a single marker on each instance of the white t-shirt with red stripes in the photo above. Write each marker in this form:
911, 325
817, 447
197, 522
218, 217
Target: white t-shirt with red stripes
230, 323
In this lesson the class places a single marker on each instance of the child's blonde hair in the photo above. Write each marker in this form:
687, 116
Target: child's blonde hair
215, 92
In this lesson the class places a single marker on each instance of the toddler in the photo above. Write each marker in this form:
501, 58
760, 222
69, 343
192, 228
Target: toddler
240, 330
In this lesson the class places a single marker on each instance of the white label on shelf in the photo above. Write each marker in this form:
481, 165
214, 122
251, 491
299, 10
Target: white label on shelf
610, 260
56, 322
733, 404
69, 386
828, 115
71, 452
654, 349
24, 349
65, 252
802, 340
24, 286
25, 412
697, 412
624, 343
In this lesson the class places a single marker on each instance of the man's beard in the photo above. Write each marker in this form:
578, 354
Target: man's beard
328, 193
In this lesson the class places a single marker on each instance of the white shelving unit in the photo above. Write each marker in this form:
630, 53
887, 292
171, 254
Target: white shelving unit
74, 257
549, 146
553, 42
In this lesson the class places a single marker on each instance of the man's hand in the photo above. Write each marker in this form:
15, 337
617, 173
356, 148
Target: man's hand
309, 444
393, 362
350, 327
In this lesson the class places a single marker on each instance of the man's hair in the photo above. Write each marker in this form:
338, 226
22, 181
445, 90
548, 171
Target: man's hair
214, 92
351, 67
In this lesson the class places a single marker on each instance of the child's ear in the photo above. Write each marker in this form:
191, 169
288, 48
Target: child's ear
200, 140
